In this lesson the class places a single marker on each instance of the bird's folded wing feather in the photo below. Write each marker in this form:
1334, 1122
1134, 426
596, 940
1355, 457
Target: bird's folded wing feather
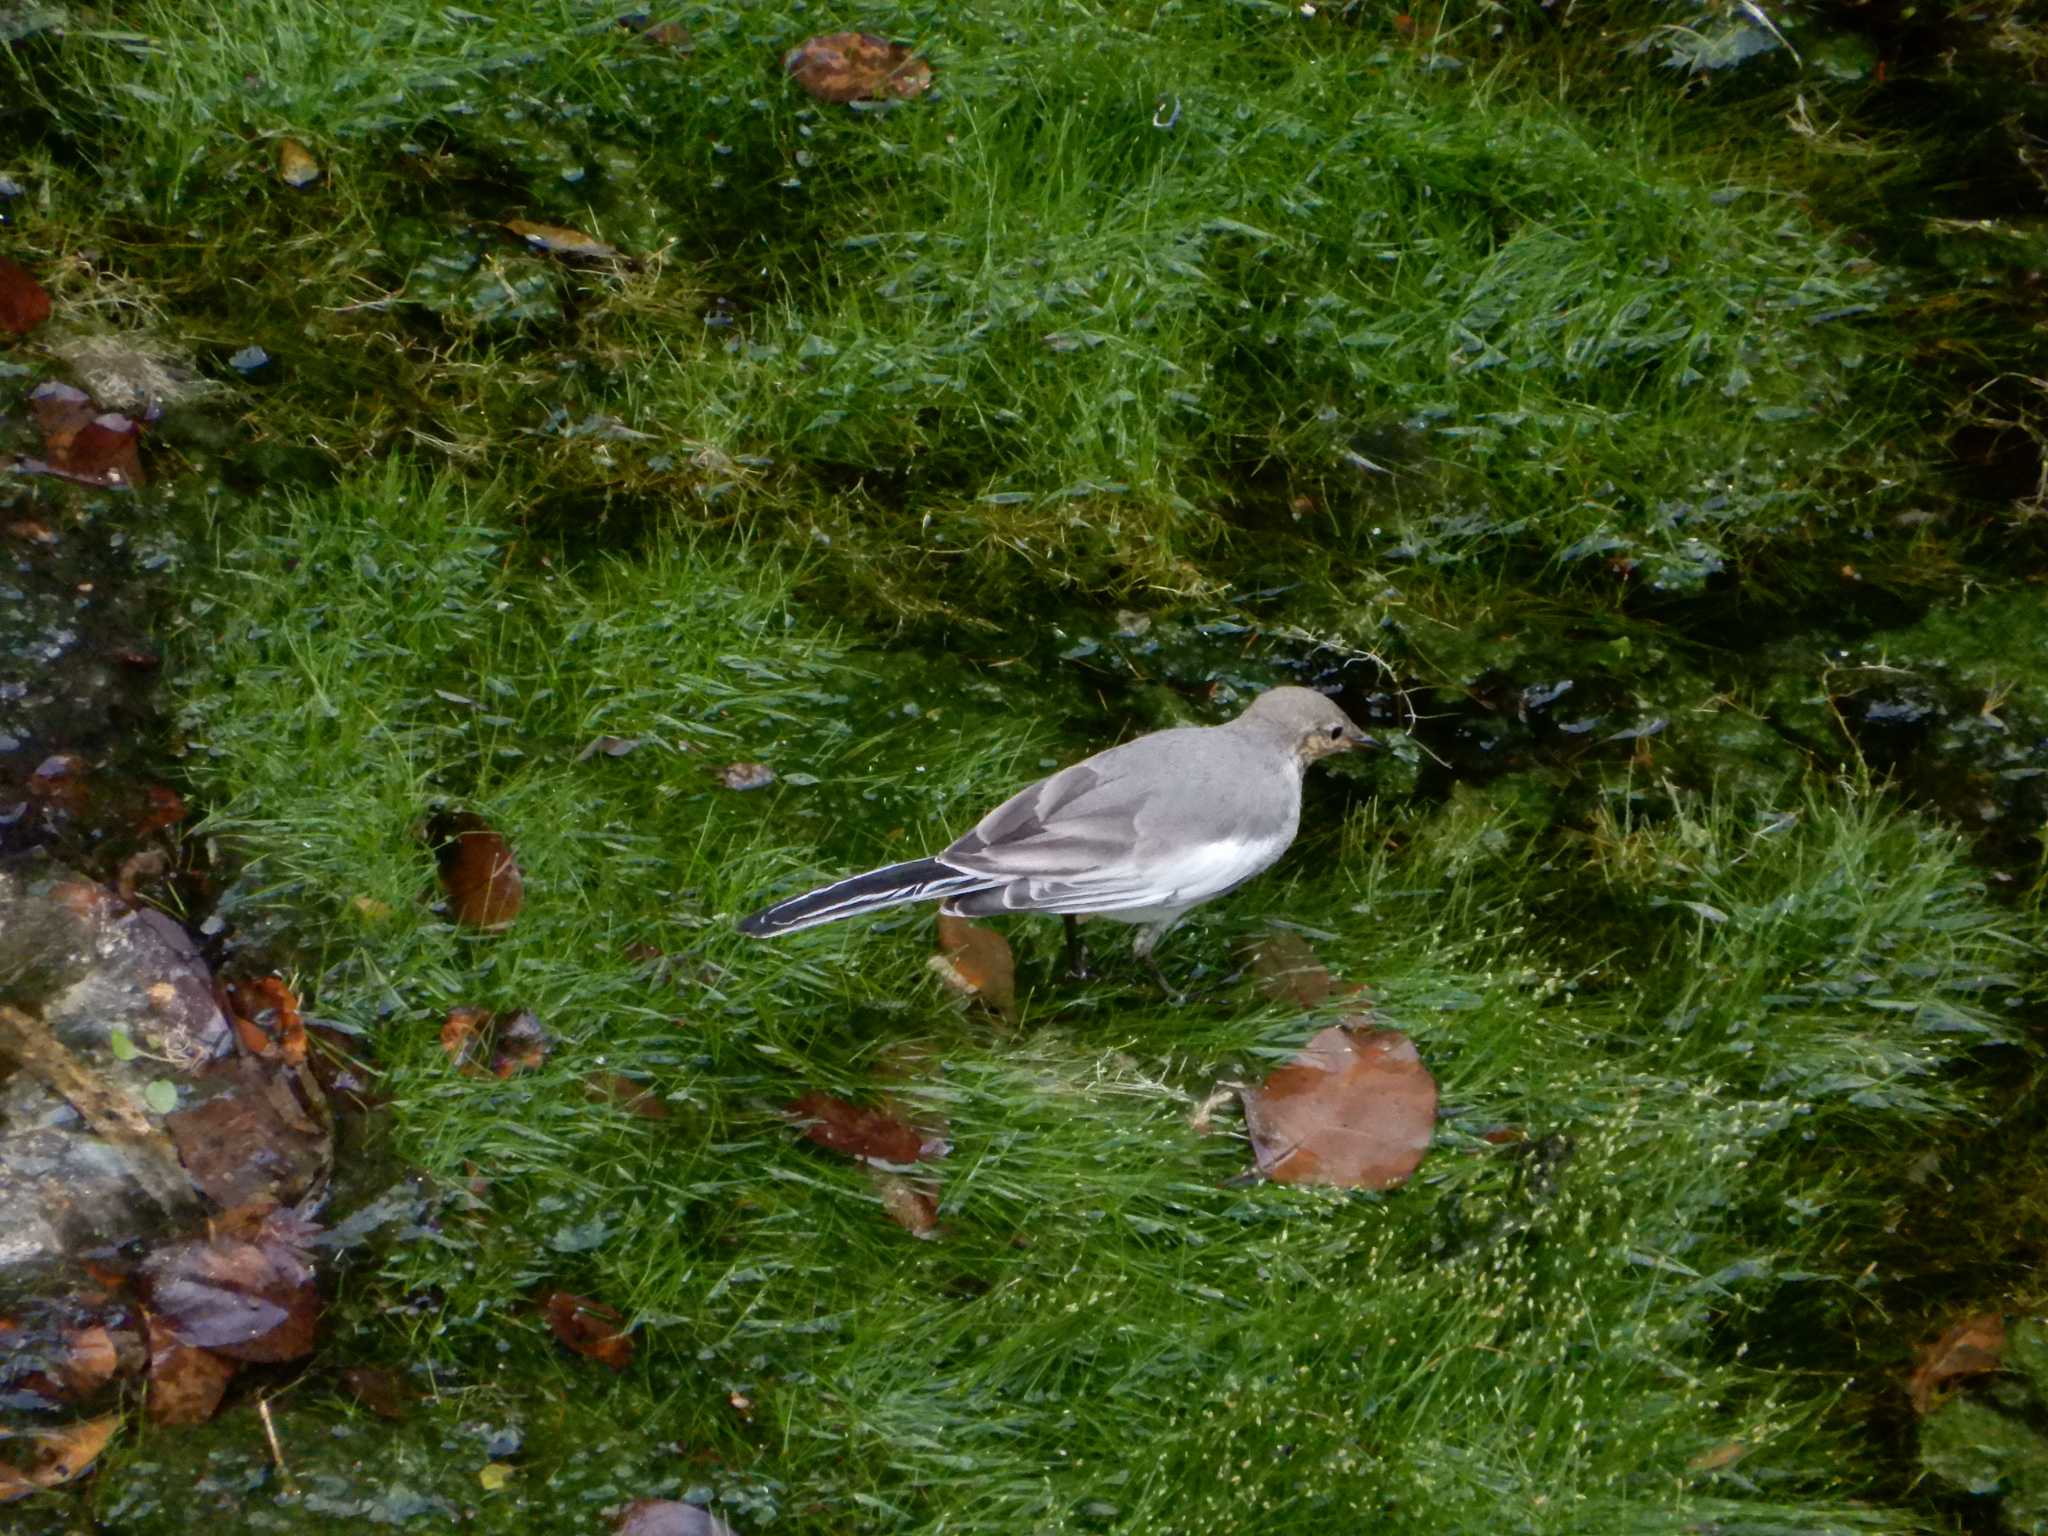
1139, 826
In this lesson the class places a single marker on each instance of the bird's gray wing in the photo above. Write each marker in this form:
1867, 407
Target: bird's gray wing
1168, 817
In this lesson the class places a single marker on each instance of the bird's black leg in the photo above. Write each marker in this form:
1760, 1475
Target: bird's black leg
1077, 954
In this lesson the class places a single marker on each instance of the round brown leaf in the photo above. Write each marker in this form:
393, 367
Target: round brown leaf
247, 1300
296, 167
1972, 1347
977, 961
61, 1454
857, 66
24, 304
1355, 1109
872, 1135
478, 872
590, 1328
1287, 970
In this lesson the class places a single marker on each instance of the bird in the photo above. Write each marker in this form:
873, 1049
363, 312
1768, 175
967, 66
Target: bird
1141, 833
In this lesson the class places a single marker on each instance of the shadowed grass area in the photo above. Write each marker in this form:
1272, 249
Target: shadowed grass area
1699, 1024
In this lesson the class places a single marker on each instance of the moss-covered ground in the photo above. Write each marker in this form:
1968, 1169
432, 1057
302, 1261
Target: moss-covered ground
1643, 449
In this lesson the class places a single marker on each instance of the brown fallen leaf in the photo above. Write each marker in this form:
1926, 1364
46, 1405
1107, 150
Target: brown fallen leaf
844, 67
976, 962
462, 1036
555, 240
378, 1389
620, 1091
266, 1019
669, 1517
1973, 1347
478, 872
24, 303
254, 1301
872, 1135
90, 1360
1355, 1108
61, 1455
81, 442
1714, 1459
138, 870
669, 34
590, 1328
186, 1383
1287, 971
912, 1205
746, 775
249, 1141
162, 807
296, 167
519, 1044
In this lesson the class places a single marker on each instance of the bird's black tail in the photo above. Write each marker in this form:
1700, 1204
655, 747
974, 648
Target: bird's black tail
918, 880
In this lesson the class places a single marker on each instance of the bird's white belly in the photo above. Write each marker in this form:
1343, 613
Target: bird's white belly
1203, 871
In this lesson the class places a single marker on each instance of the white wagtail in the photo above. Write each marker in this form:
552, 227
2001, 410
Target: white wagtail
1141, 833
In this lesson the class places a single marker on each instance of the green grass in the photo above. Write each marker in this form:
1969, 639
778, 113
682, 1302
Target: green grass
918, 451
1112, 1333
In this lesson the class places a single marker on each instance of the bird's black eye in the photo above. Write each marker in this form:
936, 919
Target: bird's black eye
1336, 732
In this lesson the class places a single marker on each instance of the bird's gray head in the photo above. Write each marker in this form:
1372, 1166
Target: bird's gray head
1307, 721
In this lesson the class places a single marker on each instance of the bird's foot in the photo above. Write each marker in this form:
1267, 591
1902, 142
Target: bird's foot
1077, 953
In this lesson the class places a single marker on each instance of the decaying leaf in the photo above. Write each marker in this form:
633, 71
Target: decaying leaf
746, 775
249, 1139
619, 1090
266, 1018
1355, 1108
554, 240
24, 304
912, 1204
296, 167
976, 962
1287, 970
61, 1454
669, 1517
247, 1299
507, 1042
857, 66
81, 442
1972, 1347
382, 1391
590, 1328
478, 872
872, 1135
186, 1383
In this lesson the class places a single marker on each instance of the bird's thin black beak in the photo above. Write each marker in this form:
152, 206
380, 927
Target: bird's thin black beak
1357, 738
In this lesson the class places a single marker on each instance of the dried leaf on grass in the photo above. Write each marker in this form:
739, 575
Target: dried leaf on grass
976, 962
501, 1043
746, 775
1355, 1108
554, 240
482, 879
844, 67
669, 1517
1287, 971
81, 442
871, 1135
90, 1360
252, 1298
382, 1391
1973, 1347
186, 1383
620, 1091
24, 303
590, 1328
61, 1454
912, 1204
296, 167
